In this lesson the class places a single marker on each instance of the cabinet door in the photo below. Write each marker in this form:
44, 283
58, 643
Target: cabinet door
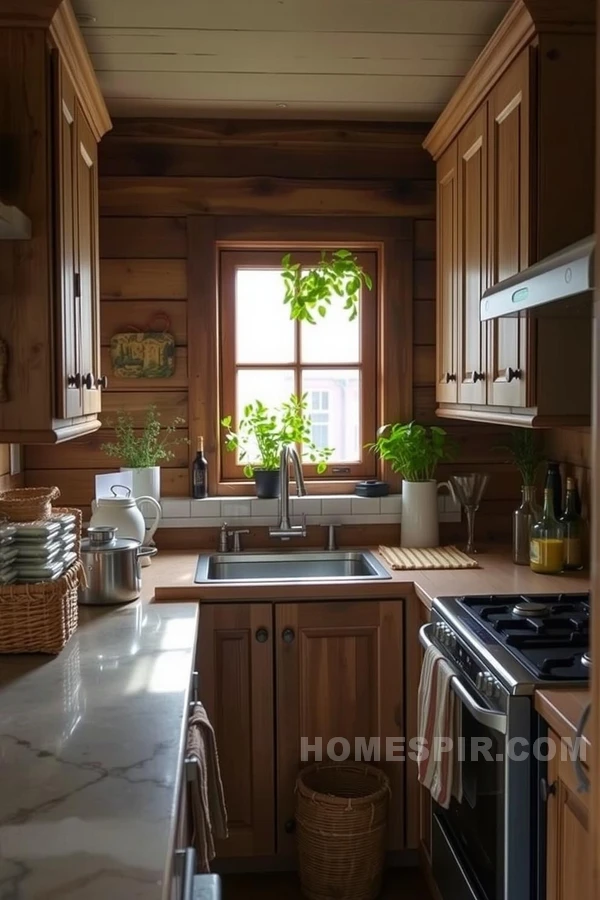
339, 674
88, 264
68, 375
509, 227
447, 275
235, 665
472, 258
569, 844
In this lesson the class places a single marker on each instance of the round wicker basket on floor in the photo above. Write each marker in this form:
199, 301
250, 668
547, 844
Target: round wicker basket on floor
341, 820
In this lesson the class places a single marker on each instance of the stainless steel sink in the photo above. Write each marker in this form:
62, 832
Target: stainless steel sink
295, 566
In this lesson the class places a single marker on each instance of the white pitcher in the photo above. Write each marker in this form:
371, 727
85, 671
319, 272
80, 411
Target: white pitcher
123, 513
420, 526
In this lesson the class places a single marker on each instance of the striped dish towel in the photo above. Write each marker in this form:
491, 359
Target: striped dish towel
439, 770
427, 558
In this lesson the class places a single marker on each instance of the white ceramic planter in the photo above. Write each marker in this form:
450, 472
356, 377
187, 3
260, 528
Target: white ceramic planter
420, 527
146, 481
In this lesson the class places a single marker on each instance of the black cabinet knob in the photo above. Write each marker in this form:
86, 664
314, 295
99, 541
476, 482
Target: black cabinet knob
74, 380
547, 790
288, 635
450, 377
511, 374
290, 826
478, 376
262, 635
88, 381
102, 382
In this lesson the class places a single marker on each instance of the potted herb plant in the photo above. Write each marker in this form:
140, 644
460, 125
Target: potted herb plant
309, 291
261, 435
143, 453
525, 453
415, 452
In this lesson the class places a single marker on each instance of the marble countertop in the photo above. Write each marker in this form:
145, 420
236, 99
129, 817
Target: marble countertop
91, 748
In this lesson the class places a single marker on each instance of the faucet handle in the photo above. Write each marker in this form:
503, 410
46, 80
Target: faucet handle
331, 543
235, 533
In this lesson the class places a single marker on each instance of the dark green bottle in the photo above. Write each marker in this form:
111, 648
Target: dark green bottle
554, 484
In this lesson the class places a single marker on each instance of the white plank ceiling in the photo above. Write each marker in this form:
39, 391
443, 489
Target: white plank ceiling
346, 59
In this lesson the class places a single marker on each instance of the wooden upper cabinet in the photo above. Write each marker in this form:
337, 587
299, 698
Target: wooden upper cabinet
54, 116
472, 258
447, 275
235, 667
510, 235
339, 673
569, 842
521, 129
88, 264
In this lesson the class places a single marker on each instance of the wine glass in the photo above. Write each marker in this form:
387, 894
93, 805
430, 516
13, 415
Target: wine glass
468, 491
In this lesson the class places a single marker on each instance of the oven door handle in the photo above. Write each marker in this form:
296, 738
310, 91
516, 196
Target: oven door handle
495, 720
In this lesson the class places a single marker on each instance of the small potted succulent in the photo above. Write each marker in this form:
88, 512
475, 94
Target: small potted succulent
262, 433
414, 452
309, 290
142, 453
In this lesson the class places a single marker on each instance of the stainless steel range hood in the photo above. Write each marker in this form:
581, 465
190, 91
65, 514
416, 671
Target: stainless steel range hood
564, 274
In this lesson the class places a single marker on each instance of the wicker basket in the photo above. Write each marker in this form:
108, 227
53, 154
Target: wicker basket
40, 618
341, 821
27, 504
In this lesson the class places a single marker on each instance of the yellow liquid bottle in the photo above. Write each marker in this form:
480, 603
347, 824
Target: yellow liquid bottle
547, 545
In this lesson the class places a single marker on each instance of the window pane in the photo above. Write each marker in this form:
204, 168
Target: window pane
334, 406
334, 338
264, 332
270, 386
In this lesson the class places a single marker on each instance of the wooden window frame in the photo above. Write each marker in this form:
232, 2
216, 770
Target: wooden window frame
233, 258
391, 238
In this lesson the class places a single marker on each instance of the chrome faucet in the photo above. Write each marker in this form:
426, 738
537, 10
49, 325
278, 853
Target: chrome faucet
285, 530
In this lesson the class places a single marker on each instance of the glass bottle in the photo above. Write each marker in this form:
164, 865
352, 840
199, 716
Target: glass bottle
524, 518
554, 483
573, 526
200, 473
547, 545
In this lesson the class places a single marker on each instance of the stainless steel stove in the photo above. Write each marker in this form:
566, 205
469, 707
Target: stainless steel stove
502, 648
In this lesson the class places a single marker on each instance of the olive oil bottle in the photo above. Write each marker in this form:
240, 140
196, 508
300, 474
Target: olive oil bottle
573, 526
547, 545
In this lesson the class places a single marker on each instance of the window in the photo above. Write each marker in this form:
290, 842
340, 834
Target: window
267, 356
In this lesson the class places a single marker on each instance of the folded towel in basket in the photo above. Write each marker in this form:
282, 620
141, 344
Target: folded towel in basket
439, 721
209, 814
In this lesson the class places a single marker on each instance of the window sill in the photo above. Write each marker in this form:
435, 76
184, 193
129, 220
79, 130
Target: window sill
342, 509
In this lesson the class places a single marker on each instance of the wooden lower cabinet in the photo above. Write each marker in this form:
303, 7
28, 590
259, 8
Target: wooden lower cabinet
271, 674
339, 673
235, 667
569, 843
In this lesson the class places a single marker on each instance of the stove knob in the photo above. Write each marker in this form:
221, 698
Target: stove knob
488, 685
479, 681
452, 642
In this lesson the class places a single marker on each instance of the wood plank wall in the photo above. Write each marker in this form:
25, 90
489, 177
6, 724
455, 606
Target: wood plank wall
155, 172
571, 447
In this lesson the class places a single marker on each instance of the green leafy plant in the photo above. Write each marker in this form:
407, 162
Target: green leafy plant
262, 433
524, 452
310, 290
151, 447
413, 450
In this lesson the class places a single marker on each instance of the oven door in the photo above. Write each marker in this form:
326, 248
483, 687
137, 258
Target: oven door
476, 842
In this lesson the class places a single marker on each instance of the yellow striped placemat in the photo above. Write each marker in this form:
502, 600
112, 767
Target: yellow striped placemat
427, 558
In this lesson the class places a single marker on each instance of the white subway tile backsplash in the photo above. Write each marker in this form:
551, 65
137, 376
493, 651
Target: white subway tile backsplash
175, 508
391, 504
336, 506
264, 507
308, 506
365, 506
232, 509
209, 508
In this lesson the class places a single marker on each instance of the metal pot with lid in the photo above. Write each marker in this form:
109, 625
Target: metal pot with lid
112, 567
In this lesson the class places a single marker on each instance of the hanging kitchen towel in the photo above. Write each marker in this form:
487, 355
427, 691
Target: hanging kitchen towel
144, 352
439, 769
427, 558
209, 814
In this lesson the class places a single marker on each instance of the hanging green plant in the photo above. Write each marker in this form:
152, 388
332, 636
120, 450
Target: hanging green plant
309, 291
